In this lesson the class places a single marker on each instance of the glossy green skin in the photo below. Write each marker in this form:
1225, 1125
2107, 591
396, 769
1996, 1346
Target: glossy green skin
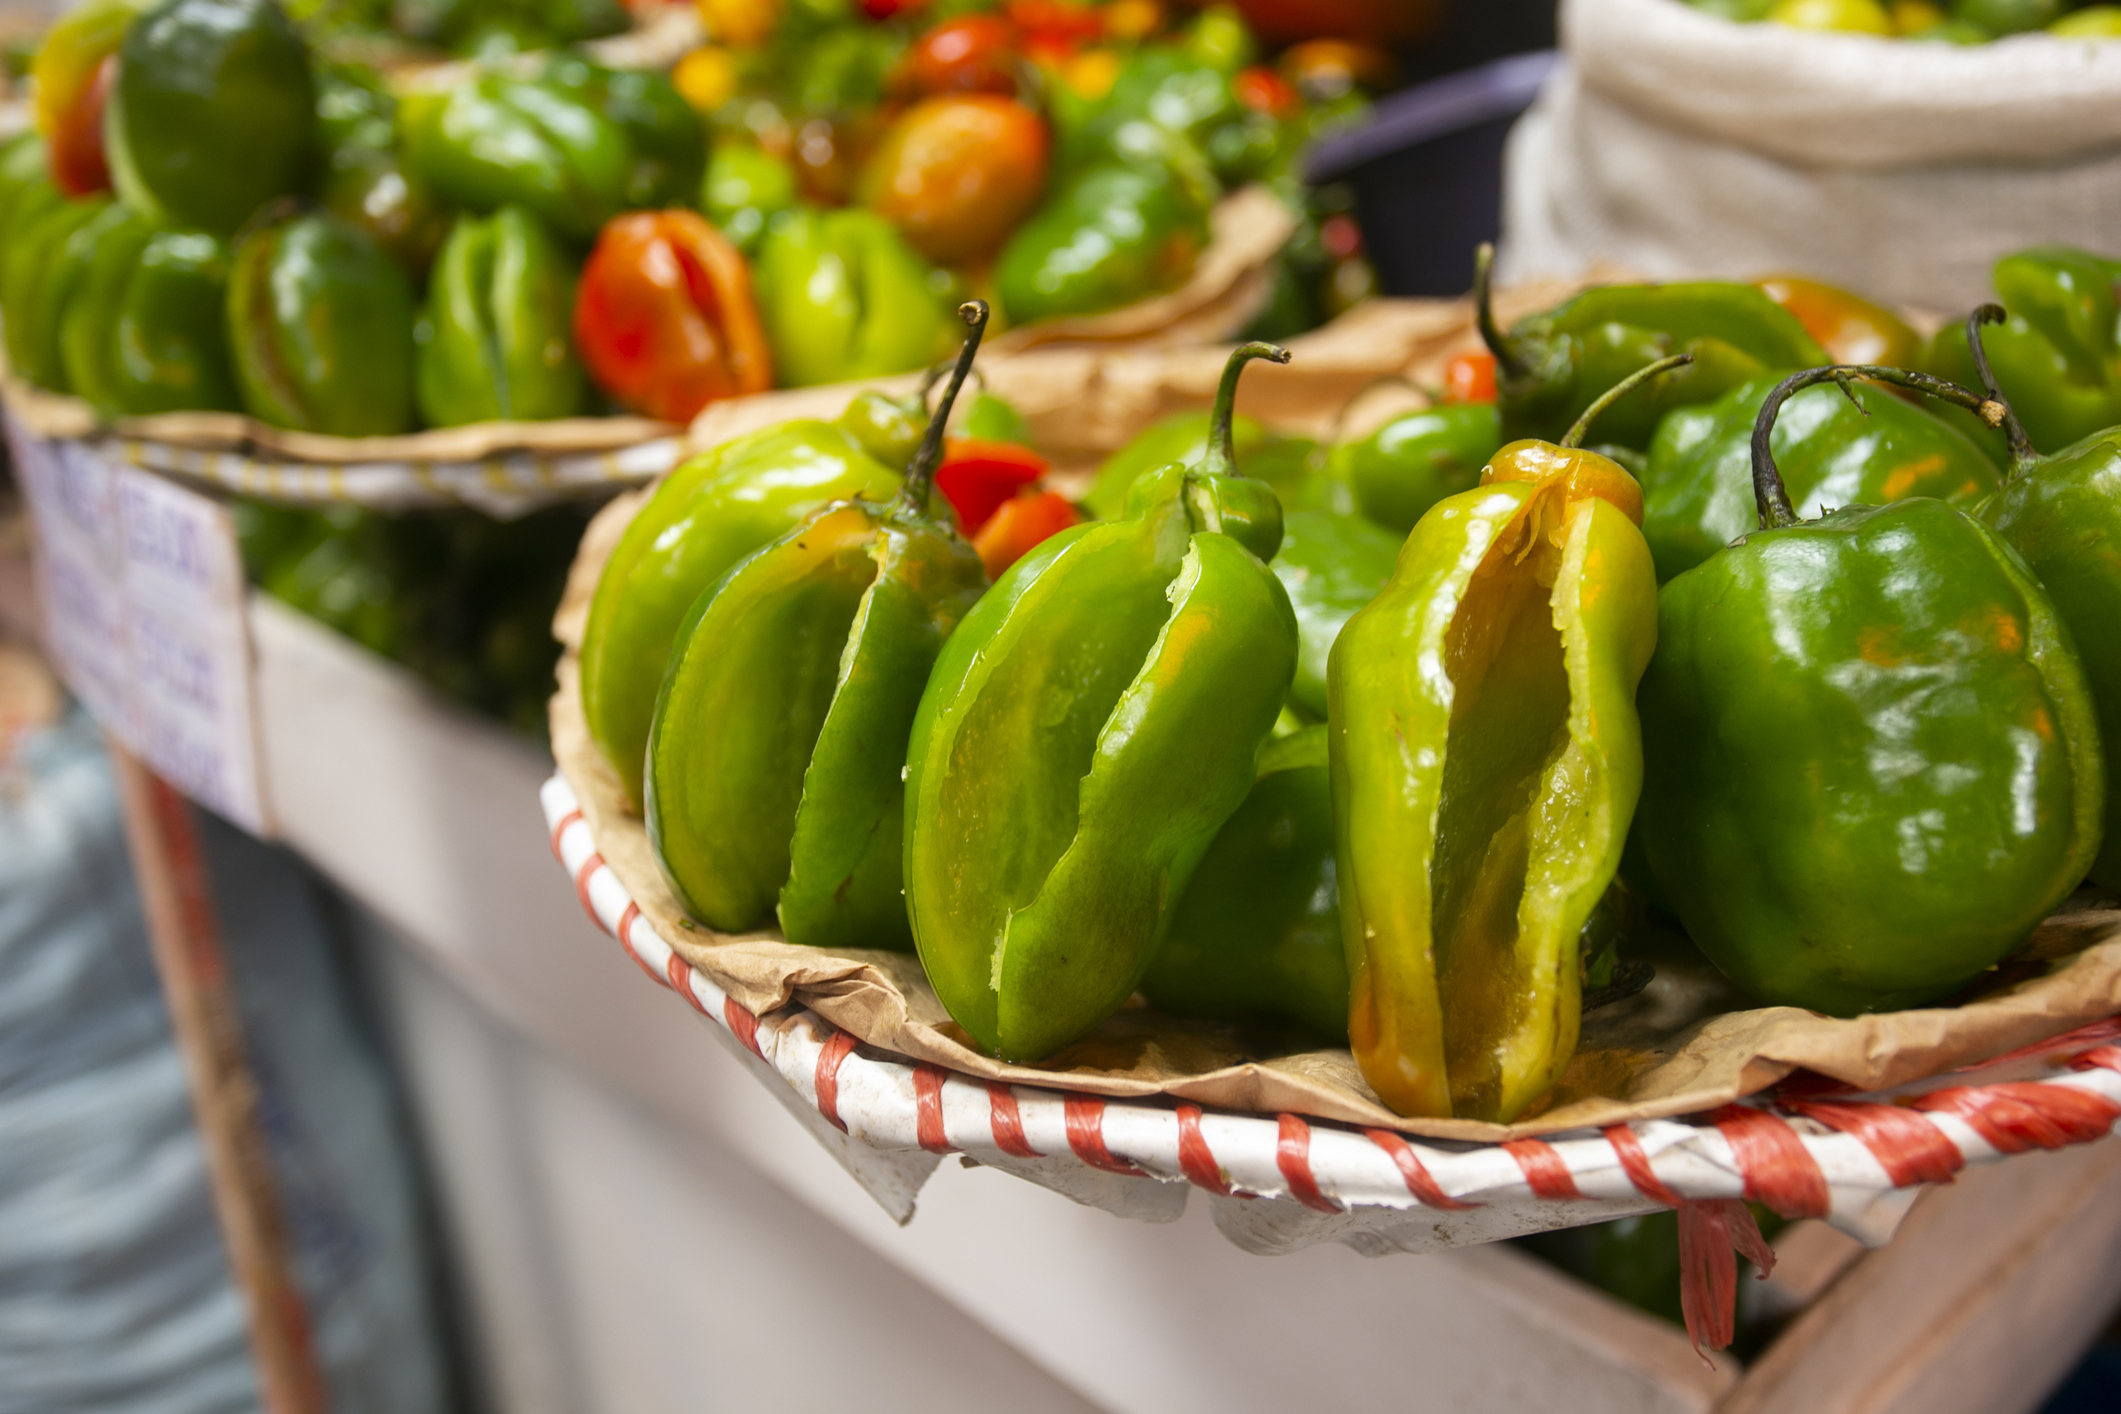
145, 333
1575, 352
365, 181
887, 428
993, 419
843, 297
1871, 761
1257, 933
320, 326
213, 112
665, 140
745, 188
1181, 437
23, 168
707, 515
1085, 733
1112, 235
2000, 17
2062, 515
1332, 565
1412, 462
502, 141
492, 343
45, 269
775, 759
2055, 357
1697, 488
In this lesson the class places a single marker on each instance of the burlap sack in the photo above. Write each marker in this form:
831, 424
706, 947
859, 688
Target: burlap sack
1680, 144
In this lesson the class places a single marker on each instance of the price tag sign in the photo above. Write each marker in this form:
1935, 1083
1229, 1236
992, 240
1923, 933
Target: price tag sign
144, 605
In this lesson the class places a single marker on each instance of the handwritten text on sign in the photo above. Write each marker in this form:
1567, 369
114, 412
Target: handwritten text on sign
144, 605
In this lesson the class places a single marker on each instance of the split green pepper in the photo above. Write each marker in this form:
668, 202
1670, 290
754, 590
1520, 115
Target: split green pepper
1867, 448
2062, 514
212, 114
1551, 366
706, 515
776, 778
1872, 760
2056, 355
1256, 935
46, 262
843, 297
1486, 762
320, 327
1415, 460
492, 343
745, 188
365, 181
146, 331
1086, 732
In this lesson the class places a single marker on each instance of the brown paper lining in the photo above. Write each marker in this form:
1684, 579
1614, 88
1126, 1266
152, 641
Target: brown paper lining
1685, 1045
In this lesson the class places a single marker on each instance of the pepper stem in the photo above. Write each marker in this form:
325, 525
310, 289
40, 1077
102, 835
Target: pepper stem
1506, 357
1770, 496
1221, 457
913, 491
2022, 453
1575, 435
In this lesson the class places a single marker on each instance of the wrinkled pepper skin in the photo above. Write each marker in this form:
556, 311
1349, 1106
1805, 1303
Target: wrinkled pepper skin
665, 319
1257, 933
492, 341
844, 297
666, 142
2062, 514
1332, 565
1551, 366
46, 266
1892, 680
776, 759
1109, 236
1087, 730
1697, 488
320, 328
2055, 357
365, 179
146, 333
1480, 811
708, 514
1415, 460
213, 113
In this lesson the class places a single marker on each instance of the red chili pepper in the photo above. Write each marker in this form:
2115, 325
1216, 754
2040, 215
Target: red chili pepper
970, 54
1018, 527
665, 319
1264, 91
1470, 378
979, 478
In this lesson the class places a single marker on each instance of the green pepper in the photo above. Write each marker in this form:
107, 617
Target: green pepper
213, 112
776, 759
2056, 354
46, 267
708, 514
492, 343
364, 180
994, 419
1415, 460
1332, 565
1256, 935
745, 188
320, 326
1486, 761
1086, 732
1181, 437
1868, 448
1110, 236
22, 172
2062, 514
665, 140
1550, 366
1873, 765
843, 297
146, 331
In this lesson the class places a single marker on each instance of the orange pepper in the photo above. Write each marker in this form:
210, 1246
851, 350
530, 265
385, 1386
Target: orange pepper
957, 173
1470, 378
979, 477
1019, 525
664, 316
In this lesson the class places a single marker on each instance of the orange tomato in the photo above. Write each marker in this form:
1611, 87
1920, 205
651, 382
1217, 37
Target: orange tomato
956, 174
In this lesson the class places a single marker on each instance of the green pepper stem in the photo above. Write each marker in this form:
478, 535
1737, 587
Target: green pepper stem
2022, 453
1575, 435
1506, 358
1221, 456
1770, 496
912, 500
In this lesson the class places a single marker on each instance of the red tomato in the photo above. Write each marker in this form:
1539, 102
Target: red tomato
1018, 527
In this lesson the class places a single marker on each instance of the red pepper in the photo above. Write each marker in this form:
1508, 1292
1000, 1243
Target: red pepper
76, 155
1019, 525
665, 319
970, 54
1470, 378
979, 478
1264, 91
